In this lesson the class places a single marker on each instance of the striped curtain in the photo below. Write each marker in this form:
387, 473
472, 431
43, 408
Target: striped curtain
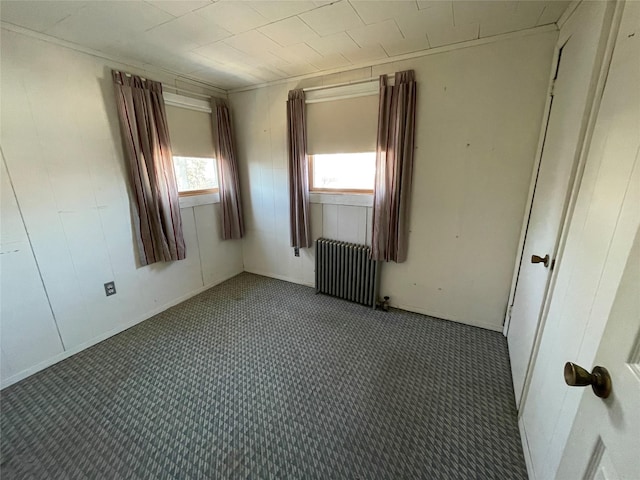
145, 134
229, 184
394, 167
298, 171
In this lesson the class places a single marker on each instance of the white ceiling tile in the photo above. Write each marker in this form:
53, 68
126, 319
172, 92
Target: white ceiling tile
277, 10
334, 60
406, 45
386, 31
239, 65
232, 43
177, 8
376, 12
98, 25
552, 12
445, 35
193, 28
166, 42
233, 16
332, 18
38, 15
299, 53
415, 25
525, 16
338, 42
365, 54
252, 42
470, 11
221, 52
299, 69
289, 31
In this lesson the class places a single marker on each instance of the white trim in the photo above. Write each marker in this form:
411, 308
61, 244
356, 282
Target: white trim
566, 15
525, 450
594, 107
438, 316
353, 199
195, 200
77, 349
123, 61
407, 56
182, 101
340, 92
280, 277
202, 84
408, 308
532, 187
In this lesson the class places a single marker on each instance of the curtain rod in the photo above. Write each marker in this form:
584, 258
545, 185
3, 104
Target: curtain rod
344, 84
164, 85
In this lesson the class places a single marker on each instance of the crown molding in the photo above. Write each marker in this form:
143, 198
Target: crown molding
202, 84
186, 79
551, 27
566, 15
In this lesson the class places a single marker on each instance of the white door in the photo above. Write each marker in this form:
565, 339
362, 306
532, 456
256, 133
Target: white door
597, 245
605, 439
578, 64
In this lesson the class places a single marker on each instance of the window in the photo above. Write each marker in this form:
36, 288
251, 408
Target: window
341, 139
195, 175
191, 131
342, 172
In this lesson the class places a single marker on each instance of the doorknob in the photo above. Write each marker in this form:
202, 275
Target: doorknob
599, 378
538, 259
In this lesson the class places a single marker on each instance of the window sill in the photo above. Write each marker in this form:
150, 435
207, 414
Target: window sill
195, 200
353, 199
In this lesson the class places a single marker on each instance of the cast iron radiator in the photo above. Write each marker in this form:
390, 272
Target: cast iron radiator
345, 270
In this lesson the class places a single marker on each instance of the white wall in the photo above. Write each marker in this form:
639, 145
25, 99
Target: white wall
62, 147
478, 119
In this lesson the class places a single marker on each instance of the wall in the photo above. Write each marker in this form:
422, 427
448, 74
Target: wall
478, 120
62, 149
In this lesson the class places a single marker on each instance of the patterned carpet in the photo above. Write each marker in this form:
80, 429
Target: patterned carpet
259, 378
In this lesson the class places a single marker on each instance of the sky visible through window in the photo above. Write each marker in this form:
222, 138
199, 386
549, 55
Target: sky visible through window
344, 171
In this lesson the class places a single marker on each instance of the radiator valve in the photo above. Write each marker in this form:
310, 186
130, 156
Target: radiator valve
384, 304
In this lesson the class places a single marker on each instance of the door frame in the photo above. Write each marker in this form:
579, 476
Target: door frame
537, 162
610, 27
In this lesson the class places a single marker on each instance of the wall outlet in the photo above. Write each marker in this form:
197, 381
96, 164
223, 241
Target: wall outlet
296, 251
110, 288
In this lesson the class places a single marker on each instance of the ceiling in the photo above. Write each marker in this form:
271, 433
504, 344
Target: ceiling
233, 43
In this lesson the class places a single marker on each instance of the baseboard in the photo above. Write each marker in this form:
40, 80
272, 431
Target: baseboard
77, 349
408, 308
525, 449
411, 308
279, 277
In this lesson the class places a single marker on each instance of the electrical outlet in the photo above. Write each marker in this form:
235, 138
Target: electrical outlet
296, 251
110, 288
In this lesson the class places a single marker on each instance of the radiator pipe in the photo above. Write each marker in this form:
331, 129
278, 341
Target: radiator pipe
384, 304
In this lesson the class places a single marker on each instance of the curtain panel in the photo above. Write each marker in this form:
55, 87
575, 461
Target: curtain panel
394, 167
155, 206
298, 171
228, 176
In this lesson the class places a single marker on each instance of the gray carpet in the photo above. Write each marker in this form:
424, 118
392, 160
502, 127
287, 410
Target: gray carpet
259, 378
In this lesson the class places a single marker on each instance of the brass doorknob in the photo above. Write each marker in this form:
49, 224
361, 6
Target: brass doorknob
538, 259
599, 378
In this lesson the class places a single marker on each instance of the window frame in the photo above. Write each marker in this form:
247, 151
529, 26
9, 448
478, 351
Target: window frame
202, 191
346, 191
190, 103
192, 193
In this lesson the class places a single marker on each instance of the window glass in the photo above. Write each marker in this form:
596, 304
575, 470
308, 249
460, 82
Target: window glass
194, 174
343, 172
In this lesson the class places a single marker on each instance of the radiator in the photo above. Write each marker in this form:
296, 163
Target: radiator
345, 270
